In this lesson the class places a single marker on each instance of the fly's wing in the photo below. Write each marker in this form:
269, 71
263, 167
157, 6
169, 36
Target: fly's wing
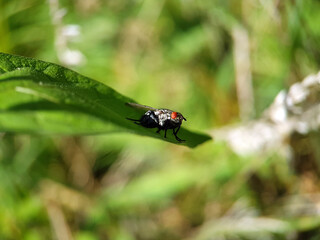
139, 106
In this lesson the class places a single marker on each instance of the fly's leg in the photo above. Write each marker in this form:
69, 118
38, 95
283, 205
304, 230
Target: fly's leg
165, 133
158, 130
175, 134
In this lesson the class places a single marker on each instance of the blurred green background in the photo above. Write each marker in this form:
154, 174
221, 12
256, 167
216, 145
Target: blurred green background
179, 55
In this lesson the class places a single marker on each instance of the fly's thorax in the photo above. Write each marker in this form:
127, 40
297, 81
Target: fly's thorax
168, 115
163, 115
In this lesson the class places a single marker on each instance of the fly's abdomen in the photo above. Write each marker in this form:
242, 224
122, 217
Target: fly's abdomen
149, 120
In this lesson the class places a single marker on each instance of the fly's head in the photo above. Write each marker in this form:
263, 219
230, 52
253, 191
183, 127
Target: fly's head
177, 118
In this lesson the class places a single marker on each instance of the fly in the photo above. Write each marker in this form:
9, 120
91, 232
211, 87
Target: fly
163, 119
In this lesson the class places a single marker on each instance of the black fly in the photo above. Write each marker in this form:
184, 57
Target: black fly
163, 119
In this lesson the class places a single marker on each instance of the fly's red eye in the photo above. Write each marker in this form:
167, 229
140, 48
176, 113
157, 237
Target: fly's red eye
173, 115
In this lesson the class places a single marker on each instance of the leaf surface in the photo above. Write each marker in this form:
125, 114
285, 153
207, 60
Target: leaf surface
45, 98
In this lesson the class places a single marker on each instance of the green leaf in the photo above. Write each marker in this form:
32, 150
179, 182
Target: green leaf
45, 98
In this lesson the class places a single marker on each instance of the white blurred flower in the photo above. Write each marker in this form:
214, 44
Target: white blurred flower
72, 31
64, 34
72, 57
295, 110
